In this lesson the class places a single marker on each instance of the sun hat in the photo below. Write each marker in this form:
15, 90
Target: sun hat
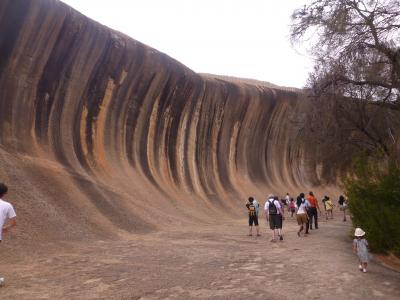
359, 232
270, 196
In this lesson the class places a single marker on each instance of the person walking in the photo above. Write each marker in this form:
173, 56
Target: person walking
274, 216
301, 214
287, 201
360, 247
328, 205
287, 198
292, 207
7, 217
253, 216
342, 206
312, 211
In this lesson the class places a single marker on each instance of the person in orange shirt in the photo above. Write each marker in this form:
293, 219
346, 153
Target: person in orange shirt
312, 212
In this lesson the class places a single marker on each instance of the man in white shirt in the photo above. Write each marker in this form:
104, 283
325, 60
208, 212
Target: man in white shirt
274, 215
7, 216
287, 198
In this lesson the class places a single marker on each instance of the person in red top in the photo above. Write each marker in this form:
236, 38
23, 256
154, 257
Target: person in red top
312, 212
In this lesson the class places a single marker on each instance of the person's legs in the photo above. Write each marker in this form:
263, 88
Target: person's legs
272, 227
309, 223
251, 226
344, 215
273, 235
256, 224
313, 215
300, 222
316, 218
365, 264
280, 225
300, 230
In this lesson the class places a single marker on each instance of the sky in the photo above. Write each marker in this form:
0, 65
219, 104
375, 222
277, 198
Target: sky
240, 38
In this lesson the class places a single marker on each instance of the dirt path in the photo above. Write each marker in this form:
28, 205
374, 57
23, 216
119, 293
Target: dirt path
212, 262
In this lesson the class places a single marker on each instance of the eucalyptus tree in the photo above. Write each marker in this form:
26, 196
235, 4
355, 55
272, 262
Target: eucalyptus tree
356, 47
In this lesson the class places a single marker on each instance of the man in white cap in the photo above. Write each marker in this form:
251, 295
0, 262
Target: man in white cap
7, 216
274, 215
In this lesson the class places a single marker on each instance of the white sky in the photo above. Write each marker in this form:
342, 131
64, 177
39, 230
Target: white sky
241, 38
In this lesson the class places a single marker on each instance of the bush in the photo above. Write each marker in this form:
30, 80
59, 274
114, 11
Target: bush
373, 190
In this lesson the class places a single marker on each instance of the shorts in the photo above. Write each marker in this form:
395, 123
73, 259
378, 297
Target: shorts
302, 219
253, 219
275, 221
342, 207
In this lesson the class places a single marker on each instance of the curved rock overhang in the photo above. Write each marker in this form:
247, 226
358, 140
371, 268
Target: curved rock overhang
101, 130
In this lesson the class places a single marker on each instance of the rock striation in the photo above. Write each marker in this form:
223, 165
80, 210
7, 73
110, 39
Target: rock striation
101, 135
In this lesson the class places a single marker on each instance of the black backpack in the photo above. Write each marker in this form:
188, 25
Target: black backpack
272, 210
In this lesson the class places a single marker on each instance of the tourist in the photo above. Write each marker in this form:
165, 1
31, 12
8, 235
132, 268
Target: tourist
360, 247
292, 207
328, 205
253, 216
257, 206
7, 216
287, 198
342, 206
301, 214
287, 201
312, 211
274, 216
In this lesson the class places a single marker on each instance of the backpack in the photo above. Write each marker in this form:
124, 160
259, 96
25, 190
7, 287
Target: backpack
328, 204
252, 210
272, 210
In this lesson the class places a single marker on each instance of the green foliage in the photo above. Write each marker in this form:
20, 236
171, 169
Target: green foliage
374, 201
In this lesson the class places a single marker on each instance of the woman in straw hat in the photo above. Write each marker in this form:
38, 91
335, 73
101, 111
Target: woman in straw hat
360, 246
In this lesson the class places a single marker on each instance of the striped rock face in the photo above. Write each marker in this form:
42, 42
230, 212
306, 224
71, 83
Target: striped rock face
99, 132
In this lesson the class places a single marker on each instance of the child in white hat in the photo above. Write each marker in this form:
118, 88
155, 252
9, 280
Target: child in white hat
360, 246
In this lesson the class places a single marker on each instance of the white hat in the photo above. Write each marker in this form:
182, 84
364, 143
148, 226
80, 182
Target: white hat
359, 232
270, 196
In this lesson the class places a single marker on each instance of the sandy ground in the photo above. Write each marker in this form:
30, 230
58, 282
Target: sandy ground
209, 262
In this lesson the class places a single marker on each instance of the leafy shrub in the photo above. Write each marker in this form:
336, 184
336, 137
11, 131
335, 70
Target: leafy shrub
373, 190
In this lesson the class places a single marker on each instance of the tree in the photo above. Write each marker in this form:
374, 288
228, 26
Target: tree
356, 46
374, 201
